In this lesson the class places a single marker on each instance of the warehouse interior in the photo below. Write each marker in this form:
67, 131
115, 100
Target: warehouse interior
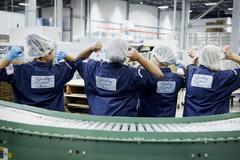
92, 123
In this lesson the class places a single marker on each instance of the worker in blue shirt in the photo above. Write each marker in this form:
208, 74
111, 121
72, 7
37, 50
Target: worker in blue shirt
112, 87
38, 83
210, 85
161, 99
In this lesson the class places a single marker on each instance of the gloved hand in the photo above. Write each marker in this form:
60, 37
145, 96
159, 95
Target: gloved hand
13, 53
61, 55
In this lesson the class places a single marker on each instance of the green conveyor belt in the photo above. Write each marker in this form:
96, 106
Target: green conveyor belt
33, 133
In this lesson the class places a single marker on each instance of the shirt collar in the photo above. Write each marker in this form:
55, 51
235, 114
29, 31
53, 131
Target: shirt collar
111, 65
203, 67
164, 70
41, 63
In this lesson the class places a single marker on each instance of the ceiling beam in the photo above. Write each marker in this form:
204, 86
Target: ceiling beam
206, 12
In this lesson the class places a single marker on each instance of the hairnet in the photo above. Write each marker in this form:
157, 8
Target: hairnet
39, 45
164, 54
212, 58
116, 50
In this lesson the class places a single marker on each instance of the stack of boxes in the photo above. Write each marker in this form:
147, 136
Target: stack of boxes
6, 92
220, 26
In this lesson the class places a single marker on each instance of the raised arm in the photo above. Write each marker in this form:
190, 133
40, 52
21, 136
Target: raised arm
11, 55
88, 51
231, 56
193, 55
134, 55
4, 63
63, 55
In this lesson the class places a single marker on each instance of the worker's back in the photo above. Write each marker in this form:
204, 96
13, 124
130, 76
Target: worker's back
112, 88
40, 84
161, 99
208, 92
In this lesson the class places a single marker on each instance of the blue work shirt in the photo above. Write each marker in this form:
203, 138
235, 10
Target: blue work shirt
161, 99
112, 88
39, 84
208, 92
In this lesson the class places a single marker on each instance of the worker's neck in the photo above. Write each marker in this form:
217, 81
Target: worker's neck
161, 65
42, 60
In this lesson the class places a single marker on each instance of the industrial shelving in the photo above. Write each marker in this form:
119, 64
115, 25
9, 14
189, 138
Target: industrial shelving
200, 39
75, 97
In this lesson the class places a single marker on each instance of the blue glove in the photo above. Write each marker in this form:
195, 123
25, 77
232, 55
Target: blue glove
180, 64
61, 55
13, 53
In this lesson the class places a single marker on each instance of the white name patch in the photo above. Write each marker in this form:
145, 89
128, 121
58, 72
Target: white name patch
166, 86
202, 81
42, 82
9, 69
109, 84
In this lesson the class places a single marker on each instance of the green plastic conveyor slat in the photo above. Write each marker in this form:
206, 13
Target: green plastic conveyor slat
32, 133
32, 118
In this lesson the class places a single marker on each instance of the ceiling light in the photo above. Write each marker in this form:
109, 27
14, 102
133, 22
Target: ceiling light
141, 2
230, 9
23, 4
210, 4
163, 7
190, 11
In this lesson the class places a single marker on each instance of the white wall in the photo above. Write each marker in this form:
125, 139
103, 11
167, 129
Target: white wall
78, 27
143, 15
108, 10
48, 12
114, 12
166, 20
10, 20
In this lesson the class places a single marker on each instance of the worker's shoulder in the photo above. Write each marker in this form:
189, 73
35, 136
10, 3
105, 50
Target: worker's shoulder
173, 76
27, 64
192, 66
131, 68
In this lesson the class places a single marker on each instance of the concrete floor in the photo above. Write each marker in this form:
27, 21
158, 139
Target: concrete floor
236, 105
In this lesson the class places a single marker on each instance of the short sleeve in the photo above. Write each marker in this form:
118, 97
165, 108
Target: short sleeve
189, 71
181, 80
143, 79
83, 66
67, 70
232, 78
7, 74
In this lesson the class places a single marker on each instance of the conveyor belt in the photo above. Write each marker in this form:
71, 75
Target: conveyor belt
32, 133
27, 117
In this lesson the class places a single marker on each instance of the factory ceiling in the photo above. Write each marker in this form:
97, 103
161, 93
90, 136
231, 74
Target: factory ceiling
197, 6
13, 5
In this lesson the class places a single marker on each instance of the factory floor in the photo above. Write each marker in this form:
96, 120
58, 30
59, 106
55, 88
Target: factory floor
234, 108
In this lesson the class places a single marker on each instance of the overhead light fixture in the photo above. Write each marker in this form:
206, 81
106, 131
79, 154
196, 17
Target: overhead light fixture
163, 7
23, 4
210, 4
230, 9
190, 11
141, 2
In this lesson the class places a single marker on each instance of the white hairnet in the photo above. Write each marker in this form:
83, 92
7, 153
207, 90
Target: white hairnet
39, 45
212, 58
164, 54
116, 50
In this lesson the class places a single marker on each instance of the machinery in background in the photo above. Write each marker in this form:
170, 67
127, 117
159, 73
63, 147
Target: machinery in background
42, 134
